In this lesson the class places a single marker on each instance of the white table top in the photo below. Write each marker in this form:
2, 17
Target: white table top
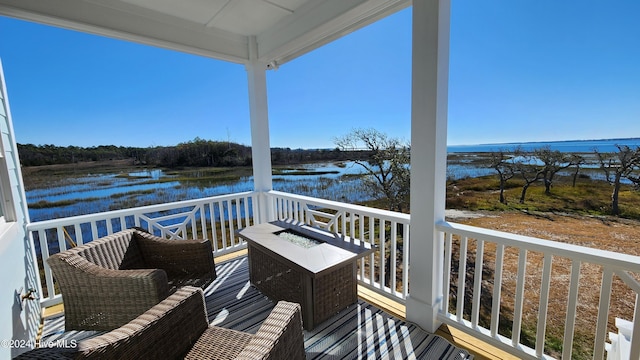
334, 251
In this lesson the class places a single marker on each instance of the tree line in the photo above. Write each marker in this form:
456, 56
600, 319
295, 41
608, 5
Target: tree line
195, 153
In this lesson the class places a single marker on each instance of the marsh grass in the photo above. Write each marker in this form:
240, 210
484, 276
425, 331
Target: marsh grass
133, 193
133, 177
43, 204
588, 197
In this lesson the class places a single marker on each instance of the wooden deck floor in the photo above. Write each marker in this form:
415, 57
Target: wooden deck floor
373, 327
479, 349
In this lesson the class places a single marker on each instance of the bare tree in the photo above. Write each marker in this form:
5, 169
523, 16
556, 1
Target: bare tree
526, 164
387, 166
553, 161
577, 160
501, 162
623, 164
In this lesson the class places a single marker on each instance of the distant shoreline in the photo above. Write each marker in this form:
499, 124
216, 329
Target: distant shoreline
73, 158
568, 146
633, 139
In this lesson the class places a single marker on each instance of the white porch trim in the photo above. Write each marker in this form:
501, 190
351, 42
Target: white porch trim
260, 145
430, 73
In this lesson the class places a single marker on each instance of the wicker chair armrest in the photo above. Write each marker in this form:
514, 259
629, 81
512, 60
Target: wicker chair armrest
76, 269
166, 331
279, 337
176, 257
96, 298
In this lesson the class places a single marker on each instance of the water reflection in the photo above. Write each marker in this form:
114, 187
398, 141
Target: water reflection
154, 174
94, 193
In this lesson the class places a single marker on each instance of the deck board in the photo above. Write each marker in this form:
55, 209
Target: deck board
480, 349
360, 331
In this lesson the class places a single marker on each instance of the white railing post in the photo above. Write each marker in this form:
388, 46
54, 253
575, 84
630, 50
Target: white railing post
260, 146
621, 342
634, 347
430, 68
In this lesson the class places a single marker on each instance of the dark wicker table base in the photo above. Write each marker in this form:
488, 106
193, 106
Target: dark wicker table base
320, 296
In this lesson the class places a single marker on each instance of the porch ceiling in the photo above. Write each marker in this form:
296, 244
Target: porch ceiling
221, 29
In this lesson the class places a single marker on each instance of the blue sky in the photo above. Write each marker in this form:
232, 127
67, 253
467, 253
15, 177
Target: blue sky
520, 71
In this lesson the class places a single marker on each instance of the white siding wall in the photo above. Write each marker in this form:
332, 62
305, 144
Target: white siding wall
20, 319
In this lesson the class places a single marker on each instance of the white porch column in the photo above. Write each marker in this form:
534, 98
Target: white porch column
260, 145
430, 73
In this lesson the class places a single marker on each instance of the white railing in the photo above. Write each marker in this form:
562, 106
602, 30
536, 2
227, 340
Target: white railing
215, 218
385, 271
532, 260
620, 345
519, 275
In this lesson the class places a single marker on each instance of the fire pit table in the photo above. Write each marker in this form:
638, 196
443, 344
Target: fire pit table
299, 263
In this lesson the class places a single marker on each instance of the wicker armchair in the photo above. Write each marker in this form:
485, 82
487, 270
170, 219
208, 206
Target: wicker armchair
111, 280
177, 328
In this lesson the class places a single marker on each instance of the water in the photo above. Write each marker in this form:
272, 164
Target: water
574, 146
94, 193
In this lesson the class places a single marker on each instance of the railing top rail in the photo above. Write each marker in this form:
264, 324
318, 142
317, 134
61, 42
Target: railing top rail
336, 204
124, 212
597, 256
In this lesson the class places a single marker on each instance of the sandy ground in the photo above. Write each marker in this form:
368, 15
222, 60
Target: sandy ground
607, 233
453, 214
602, 232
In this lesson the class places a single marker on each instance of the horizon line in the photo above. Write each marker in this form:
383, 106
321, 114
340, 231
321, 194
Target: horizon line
332, 148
